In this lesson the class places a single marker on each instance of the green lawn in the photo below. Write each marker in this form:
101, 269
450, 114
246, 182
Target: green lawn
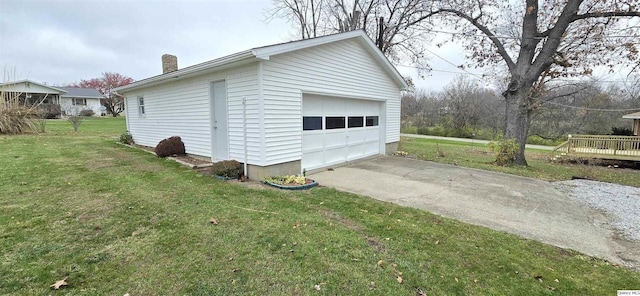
116, 220
479, 156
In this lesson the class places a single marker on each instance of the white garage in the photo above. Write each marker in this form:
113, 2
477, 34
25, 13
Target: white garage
281, 109
337, 130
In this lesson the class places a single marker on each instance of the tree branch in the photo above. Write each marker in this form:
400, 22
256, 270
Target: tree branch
501, 49
607, 14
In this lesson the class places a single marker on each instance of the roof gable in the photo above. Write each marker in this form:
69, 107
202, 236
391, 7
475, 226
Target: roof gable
265, 52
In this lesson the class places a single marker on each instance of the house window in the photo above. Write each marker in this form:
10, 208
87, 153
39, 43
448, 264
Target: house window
311, 123
372, 120
334, 122
79, 102
141, 105
356, 121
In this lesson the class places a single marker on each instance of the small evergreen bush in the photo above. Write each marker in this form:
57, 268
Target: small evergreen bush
126, 138
227, 169
170, 146
505, 151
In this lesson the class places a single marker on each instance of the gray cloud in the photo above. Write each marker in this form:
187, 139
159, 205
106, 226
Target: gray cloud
63, 41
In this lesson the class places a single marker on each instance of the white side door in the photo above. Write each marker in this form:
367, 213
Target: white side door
219, 134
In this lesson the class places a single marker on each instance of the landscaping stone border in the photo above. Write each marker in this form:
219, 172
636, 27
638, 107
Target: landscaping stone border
223, 178
299, 187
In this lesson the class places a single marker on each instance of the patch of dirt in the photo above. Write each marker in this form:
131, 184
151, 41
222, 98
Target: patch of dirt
480, 152
342, 220
99, 163
372, 242
191, 159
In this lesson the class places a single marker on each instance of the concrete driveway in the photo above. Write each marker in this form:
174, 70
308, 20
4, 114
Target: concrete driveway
527, 207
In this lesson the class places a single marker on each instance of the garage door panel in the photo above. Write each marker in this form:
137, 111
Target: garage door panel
335, 155
372, 134
312, 141
334, 140
355, 151
333, 107
312, 107
321, 148
356, 135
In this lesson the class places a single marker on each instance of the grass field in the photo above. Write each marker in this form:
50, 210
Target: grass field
540, 166
115, 220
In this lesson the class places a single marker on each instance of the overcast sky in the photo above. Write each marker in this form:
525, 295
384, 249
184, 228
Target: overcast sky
61, 42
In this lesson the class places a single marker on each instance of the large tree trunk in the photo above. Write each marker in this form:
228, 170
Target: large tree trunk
517, 119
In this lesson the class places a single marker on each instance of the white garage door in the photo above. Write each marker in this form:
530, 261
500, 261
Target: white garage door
336, 130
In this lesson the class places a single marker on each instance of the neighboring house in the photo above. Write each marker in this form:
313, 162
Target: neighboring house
636, 122
281, 109
77, 99
70, 99
32, 92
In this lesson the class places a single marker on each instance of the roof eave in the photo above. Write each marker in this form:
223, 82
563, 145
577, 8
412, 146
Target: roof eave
82, 97
30, 81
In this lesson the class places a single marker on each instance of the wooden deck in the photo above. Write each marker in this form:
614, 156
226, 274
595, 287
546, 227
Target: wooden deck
603, 147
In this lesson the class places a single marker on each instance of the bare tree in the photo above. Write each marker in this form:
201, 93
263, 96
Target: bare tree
556, 38
305, 15
74, 116
395, 25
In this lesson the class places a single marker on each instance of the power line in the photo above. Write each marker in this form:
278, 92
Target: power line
592, 109
485, 75
518, 38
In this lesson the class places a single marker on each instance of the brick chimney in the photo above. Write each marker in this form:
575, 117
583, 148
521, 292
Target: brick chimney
169, 63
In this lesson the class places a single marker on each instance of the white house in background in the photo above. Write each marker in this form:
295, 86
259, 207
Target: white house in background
70, 99
77, 99
280, 109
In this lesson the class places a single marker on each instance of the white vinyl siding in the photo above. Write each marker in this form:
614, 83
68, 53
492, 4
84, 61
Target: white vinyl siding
67, 105
244, 84
182, 108
341, 69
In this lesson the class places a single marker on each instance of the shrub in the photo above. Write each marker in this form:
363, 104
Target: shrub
170, 146
621, 131
505, 151
126, 138
86, 113
15, 116
49, 111
75, 121
227, 169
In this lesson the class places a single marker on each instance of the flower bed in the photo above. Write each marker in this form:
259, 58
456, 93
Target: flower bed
290, 182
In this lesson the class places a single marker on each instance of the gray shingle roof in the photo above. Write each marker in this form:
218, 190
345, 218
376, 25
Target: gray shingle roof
77, 92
